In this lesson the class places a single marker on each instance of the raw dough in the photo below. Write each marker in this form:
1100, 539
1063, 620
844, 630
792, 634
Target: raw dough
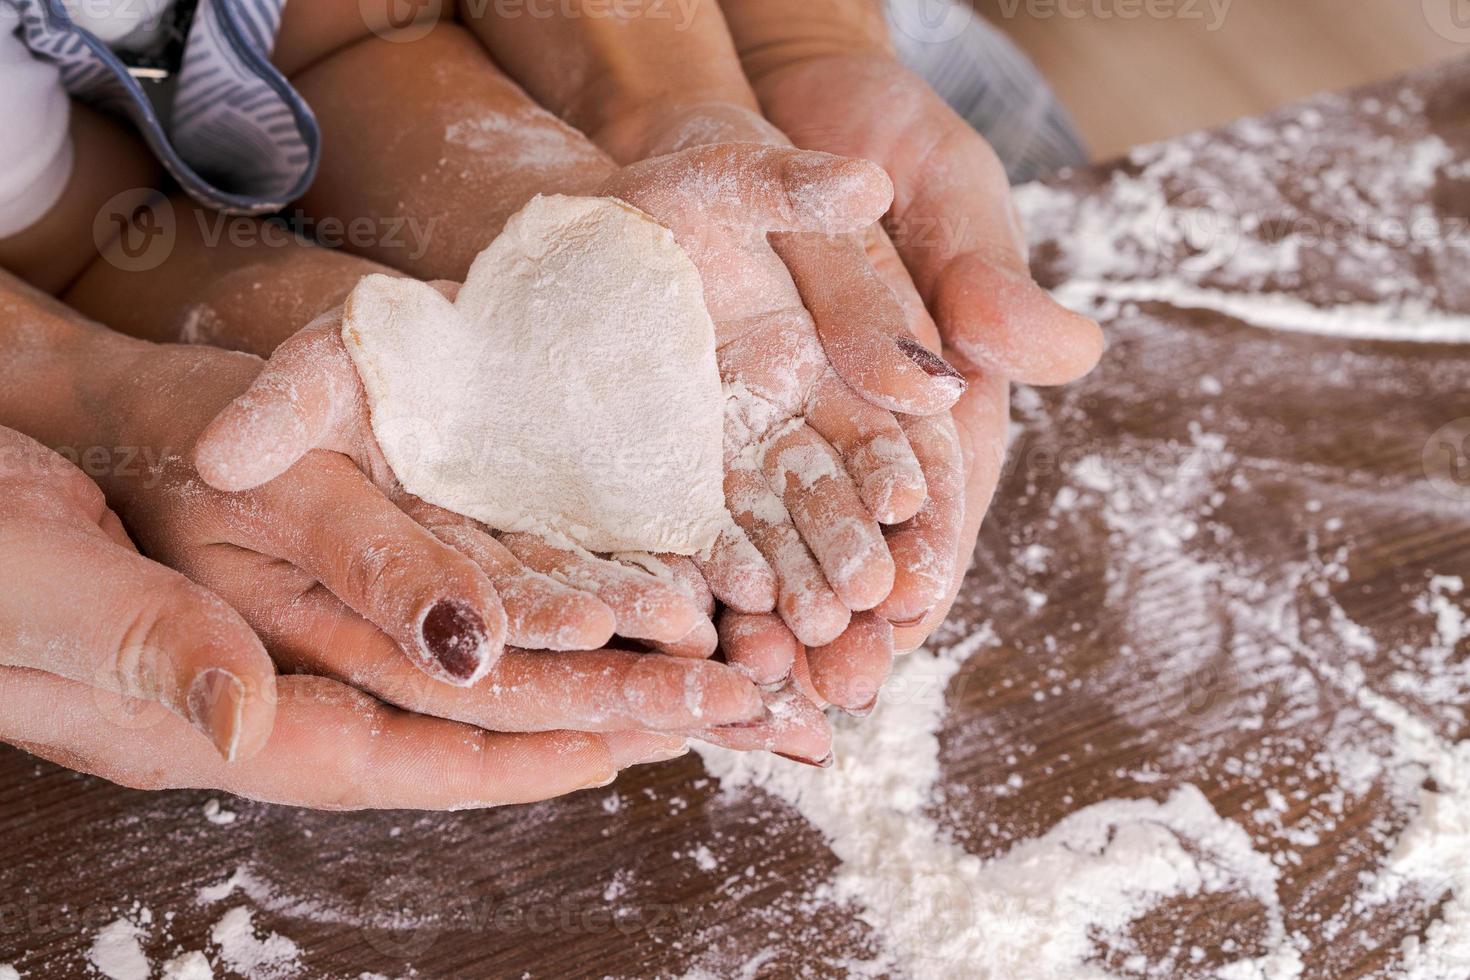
571, 388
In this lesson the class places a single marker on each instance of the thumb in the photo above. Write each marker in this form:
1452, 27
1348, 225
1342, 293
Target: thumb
89, 610
304, 398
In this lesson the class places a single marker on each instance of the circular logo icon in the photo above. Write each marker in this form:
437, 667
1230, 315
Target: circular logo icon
930, 21
402, 918
401, 21
1450, 19
135, 231
1447, 460
1202, 225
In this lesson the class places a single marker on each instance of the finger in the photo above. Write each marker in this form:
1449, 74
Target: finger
436, 603
597, 690
737, 574
960, 236
332, 748
924, 548
982, 419
825, 507
540, 612
645, 608
849, 671
760, 646
863, 327
78, 605
681, 572
804, 600
757, 187
873, 448
306, 397
797, 731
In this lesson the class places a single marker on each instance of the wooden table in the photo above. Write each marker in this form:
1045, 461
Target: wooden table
1209, 564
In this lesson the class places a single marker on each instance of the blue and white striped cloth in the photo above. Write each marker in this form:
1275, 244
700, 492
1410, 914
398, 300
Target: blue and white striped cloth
988, 81
227, 125
237, 137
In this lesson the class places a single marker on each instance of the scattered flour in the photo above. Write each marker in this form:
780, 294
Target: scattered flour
188, 966
117, 952
268, 957
218, 815
8, 972
1039, 910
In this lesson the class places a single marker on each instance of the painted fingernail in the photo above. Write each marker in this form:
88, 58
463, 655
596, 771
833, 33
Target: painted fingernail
455, 635
823, 763
931, 363
216, 703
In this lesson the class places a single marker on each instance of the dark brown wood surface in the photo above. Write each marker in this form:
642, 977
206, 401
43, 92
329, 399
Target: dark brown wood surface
1258, 486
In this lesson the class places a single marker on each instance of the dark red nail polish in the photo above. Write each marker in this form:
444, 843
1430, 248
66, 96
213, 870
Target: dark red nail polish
933, 365
455, 635
823, 763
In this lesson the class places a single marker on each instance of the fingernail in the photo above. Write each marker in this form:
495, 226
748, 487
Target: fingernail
823, 763
865, 710
455, 635
912, 622
766, 718
216, 702
931, 363
777, 685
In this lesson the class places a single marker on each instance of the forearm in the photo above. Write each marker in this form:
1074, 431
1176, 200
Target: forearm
774, 34
620, 79
241, 283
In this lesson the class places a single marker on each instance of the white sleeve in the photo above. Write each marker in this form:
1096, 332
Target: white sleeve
35, 139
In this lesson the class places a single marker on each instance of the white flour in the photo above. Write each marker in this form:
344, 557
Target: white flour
8, 972
571, 388
117, 952
1038, 910
1248, 672
268, 957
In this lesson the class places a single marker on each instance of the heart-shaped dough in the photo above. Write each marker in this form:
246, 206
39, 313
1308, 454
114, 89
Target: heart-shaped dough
571, 388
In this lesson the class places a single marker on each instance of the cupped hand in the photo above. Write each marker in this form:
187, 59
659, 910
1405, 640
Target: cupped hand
81, 608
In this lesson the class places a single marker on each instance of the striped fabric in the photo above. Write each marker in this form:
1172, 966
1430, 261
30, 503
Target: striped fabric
985, 79
228, 126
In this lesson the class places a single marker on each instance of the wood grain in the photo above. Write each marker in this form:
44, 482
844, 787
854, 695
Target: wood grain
1141, 671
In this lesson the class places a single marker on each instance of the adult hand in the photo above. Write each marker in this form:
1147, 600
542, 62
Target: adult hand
82, 609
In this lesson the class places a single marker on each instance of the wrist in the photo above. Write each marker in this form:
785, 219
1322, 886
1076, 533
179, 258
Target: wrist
774, 35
